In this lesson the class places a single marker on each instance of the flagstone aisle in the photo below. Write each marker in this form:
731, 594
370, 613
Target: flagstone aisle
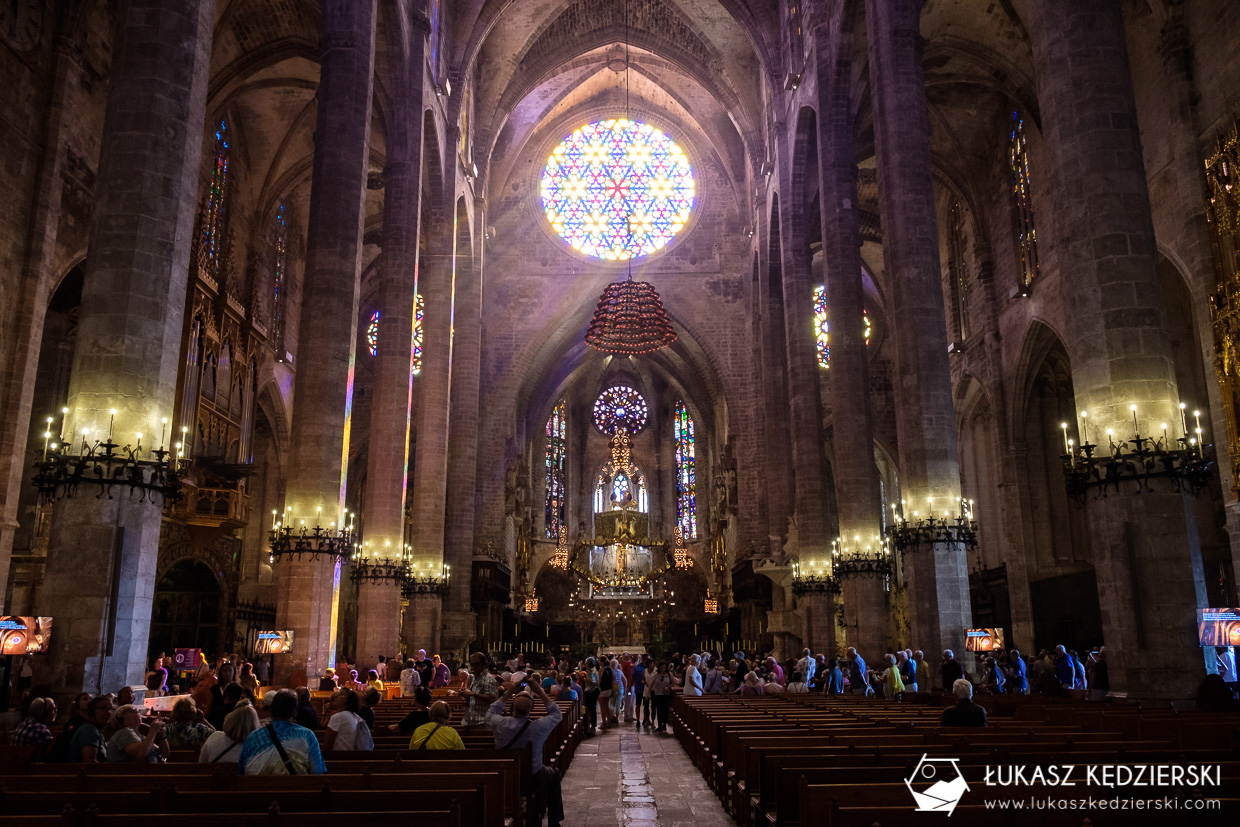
630, 778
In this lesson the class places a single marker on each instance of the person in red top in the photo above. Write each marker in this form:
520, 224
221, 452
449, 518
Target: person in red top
626, 669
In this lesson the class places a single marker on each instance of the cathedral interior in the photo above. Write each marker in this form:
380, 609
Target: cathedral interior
552, 325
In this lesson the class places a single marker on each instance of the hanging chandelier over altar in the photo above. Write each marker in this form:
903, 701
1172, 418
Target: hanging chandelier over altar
630, 319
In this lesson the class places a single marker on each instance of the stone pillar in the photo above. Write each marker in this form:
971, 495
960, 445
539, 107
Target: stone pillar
817, 611
925, 418
1146, 549
387, 459
463, 438
857, 492
803, 408
436, 281
319, 440
102, 556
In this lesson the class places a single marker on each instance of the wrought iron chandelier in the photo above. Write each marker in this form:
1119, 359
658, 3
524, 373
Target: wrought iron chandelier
926, 532
431, 581
288, 541
630, 318
386, 569
681, 557
144, 471
1132, 464
710, 605
814, 579
559, 558
531, 603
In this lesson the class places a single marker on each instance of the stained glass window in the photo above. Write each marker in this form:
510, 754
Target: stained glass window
372, 335
618, 189
556, 431
1026, 233
612, 485
418, 308
279, 273
620, 407
213, 209
686, 474
820, 326
957, 273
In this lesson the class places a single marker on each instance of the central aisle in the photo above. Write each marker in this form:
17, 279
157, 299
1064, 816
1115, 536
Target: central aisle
626, 776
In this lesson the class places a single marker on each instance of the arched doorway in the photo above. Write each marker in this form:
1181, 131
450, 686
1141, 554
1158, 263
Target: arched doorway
186, 611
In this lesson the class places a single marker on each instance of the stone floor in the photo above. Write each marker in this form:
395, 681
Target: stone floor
628, 777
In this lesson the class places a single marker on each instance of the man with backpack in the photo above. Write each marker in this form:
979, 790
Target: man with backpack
519, 729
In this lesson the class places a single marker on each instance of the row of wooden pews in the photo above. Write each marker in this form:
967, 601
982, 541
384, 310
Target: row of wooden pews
480, 785
842, 761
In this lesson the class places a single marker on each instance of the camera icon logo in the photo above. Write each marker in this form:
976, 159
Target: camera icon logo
937, 784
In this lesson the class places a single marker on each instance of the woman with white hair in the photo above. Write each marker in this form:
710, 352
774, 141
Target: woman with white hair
224, 746
752, 686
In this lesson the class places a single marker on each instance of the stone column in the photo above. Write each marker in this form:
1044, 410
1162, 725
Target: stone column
937, 576
463, 439
857, 492
103, 552
1146, 549
803, 410
319, 439
387, 460
437, 283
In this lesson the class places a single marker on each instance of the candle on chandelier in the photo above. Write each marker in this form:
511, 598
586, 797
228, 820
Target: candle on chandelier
1110, 433
184, 441
1067, 446
1084, 430
139, 448
111, 419
274, 521
1184, 417
1197, 416
1164, 430
47, 435
163, 425
1135, 427
64, 413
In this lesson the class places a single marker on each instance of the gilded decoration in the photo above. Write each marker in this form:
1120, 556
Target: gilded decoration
1223, 216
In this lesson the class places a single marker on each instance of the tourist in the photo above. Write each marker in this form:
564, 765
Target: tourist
834, 678
620, 689
125, 695
908, 669
441, 675
189, 727
992, 677
776, 671
857, 678
1214, 695
518, 730
752, 685
353, 683
409, 679
224, 746
693, 678
34, 729
247, 679
796, 686
1078, 671
563, 691
922, 671
660, 687
807, 665
437, 734
345, 728
202, 671
79, 714
482, 691
128, 745
370, 699
950, 671
328, 682
1065, 668
1226, 659
416, 717
306, 715
606, 683
965, 712
1017, 674
373, 681
626, 669
157, 683
459, 681
380, 669
294, 750
88, 746
590, 692
426, 669
714, 682
891, 680
772, 687
263, 670
225, 673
